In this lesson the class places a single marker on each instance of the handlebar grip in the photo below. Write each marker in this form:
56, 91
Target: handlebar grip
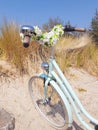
69, 28
80, 29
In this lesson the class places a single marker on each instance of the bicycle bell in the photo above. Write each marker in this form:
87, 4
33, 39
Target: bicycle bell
45, 66
27, 32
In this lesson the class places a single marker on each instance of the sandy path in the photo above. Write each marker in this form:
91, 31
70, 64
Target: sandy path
14, 97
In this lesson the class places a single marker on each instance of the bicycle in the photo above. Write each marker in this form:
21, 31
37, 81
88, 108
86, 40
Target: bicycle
50, 91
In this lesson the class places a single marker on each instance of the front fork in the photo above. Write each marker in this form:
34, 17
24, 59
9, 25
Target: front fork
46, 97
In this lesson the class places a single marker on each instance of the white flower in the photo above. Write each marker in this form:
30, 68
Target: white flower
37, 30
50, 34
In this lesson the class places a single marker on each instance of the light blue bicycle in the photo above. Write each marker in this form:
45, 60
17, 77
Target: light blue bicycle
52, 94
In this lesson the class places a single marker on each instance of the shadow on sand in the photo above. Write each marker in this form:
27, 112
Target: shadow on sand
75, 126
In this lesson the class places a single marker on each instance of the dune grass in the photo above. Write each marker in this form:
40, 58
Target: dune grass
11, 47
82, 54
70, 51
87, 58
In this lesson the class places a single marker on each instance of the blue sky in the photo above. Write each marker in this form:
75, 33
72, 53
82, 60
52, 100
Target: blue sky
38, 12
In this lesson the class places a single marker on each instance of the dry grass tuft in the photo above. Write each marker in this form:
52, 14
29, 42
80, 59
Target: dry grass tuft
86, 57
12, 48
83, 53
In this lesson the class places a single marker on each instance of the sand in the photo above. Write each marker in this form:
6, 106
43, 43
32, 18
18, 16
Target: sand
15, 98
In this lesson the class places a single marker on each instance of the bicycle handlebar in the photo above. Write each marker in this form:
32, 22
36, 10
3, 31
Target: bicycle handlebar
28, 31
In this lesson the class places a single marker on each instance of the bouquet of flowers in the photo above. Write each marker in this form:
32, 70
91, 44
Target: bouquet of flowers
49, 38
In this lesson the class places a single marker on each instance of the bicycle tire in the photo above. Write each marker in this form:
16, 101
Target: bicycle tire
54, 112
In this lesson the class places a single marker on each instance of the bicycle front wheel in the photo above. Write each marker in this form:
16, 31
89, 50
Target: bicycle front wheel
52, 108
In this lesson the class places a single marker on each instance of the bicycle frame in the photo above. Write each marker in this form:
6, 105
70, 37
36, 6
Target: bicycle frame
70, 98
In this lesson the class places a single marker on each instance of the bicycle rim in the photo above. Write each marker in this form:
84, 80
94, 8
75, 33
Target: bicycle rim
54, 111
